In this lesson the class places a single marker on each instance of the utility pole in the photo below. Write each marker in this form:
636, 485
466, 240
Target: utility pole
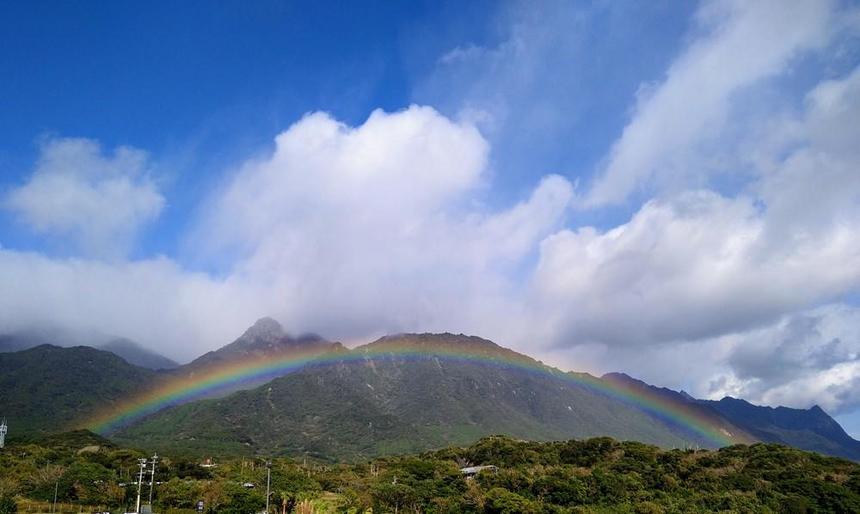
152, 479
56, 488
268, 482
142, 464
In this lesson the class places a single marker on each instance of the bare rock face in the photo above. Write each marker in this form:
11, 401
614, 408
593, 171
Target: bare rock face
264, 329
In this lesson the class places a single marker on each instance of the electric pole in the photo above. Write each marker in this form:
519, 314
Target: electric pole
56, 488
142, 464
268, 482
152, 480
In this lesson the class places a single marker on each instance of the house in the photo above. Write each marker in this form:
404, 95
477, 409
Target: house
471, 471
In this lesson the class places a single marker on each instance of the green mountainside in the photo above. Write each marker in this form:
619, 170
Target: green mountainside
388, 403
48, 388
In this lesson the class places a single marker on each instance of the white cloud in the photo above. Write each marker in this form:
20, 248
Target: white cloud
745, 43
694, 267
379, 228
98, 201
347, 231
179, 313
808, 358
700, 264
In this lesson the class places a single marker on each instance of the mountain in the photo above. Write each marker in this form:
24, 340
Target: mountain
132, 352
137, 355
808, 429
390, 402
48, 388
408, 392
264, 338
24, 339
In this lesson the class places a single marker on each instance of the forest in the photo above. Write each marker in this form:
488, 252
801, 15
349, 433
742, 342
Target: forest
85, 473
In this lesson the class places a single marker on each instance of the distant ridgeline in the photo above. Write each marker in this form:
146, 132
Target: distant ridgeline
268, 392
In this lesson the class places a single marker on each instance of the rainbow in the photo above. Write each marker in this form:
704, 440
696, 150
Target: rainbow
209, 382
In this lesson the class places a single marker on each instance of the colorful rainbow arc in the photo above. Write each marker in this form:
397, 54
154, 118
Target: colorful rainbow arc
210, 381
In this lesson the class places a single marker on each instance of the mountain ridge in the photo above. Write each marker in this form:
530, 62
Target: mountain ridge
131, 351
378, 398
402, 399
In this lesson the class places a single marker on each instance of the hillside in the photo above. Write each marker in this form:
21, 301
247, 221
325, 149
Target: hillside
598, 475
48, 388
132, 352
389, 403
135, 354
809, 429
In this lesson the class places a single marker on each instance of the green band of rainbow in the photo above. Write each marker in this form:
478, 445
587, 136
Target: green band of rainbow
208, 382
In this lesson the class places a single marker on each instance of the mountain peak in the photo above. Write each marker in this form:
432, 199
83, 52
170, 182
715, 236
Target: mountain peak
265, 328
265, 337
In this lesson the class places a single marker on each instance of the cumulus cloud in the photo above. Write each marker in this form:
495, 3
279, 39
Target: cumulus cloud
347, 231
700, 264
745, 42
694, 267
98, 201
380, 228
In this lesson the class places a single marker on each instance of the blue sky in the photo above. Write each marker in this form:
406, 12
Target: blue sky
201, 86
584, 182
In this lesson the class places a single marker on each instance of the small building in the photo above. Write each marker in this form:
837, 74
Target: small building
471, 471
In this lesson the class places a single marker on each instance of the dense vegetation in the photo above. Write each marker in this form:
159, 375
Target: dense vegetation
47, 388
594, 475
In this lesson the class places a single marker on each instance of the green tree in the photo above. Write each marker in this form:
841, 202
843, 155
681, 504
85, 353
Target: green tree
179, 493
502, 501
392, 497
242, 501
8, 505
